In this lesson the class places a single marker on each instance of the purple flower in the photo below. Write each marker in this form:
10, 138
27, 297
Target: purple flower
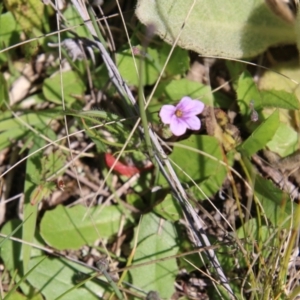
183, 116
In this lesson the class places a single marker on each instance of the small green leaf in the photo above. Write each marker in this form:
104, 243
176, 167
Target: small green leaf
156, 240
41, 192
262, 135
72, 86
129, 68
69, 228
52, 164
247, 91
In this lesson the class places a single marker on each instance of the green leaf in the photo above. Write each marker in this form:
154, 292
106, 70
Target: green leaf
262, 135
30, 211
156, 240
169, 209
176, 89
72, 86
207, 172
28, 14
52, 164
230, 29
70, 228
10, 31
247, 91
276, 203
283, 76
251, 232
7, 137
129, 68
11, 254
280, 99
11, 123
285, 140
54, 277
179, 62
18, 296
4, 96
74, 19
10, 251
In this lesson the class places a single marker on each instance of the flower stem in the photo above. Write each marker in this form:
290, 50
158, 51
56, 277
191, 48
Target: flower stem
141, 102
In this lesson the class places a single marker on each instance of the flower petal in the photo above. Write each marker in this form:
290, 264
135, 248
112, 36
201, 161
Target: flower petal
178, 126
192, 123
166, 113
190, 107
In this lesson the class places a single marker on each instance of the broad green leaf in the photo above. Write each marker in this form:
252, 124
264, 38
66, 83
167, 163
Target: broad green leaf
230, 29
54, 277
155, 240
176, 89
276, 203
285, 140
261, 135
207, 172
70, 228
169, 209
283, 76
280, 99
129, 68
72, 86
178, 63
28, 118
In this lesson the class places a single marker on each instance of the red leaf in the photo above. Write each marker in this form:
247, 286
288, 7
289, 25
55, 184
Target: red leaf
120, 167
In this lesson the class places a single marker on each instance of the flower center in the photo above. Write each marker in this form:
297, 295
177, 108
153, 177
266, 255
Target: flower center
178, 113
